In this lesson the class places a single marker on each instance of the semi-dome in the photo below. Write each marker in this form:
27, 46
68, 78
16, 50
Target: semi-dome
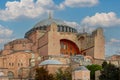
49, 21
50, 62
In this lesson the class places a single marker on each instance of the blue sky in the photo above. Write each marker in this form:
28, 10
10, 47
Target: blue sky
18, 16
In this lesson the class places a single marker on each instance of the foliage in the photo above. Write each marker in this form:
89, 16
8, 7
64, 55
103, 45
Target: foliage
109, 72
93, 68
43, 74
63, 75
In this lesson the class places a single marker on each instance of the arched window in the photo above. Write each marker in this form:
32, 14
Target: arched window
60, 28
10, 74
67, 29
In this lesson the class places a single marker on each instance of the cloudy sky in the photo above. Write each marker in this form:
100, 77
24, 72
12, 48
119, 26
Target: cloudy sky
18, 16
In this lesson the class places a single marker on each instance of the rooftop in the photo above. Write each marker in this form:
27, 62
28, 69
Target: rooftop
49, 21
50, 62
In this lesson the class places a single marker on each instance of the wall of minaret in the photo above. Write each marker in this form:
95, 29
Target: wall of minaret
99, 44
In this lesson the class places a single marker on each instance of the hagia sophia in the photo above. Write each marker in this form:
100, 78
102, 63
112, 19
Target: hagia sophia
52, 43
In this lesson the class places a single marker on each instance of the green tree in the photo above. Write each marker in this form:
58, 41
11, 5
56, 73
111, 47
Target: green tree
63, 74
109, 72
43, 74
93, 68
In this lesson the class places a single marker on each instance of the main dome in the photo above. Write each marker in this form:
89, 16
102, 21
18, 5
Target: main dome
42, 25
49, 21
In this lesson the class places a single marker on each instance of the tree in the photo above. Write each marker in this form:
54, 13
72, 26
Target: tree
109, 72
93, 68
63, 74
43, 74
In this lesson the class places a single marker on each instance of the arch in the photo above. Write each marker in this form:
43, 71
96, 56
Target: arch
10, 74
68, 47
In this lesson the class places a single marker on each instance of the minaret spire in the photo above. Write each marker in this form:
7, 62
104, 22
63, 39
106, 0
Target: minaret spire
50, 15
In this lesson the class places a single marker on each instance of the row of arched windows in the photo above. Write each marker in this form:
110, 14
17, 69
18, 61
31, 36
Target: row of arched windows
12, 64
66, 29
61, 28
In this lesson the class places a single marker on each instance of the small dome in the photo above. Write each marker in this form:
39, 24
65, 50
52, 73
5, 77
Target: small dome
48, 22
81, 68
50, 62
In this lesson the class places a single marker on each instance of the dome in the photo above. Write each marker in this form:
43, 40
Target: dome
50, 62
48, 22
42, 25
81, 68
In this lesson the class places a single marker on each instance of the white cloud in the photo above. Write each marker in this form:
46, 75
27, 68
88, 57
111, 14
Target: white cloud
79, 3
75, 25
101, 20
35, 8
72, 24
5, 35
113, 40
5, 32
113, 46
28, 8
4, 40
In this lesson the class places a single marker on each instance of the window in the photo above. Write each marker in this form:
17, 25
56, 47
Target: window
58, 28
64, 29
65, 46
18, 64
10, 74
21, 64
62, 45
61, 28
70, 30
9, 64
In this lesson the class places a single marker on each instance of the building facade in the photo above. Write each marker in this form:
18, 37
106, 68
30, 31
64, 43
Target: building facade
50, 39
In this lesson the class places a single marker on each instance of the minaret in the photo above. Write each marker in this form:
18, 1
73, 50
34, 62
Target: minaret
50, 15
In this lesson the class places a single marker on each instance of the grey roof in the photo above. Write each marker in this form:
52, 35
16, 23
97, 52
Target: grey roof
78, 56
49, 21
50, 62
81, 68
